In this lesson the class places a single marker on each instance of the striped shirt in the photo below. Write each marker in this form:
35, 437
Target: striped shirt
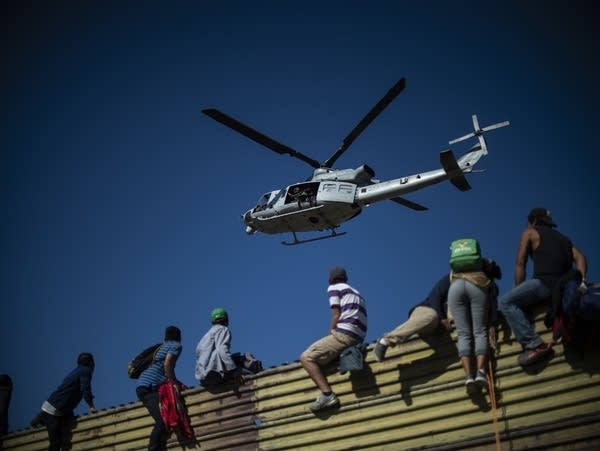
353, 310
155, 374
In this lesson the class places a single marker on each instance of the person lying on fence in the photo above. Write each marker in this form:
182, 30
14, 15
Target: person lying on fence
348, 327
161, 370
214, 361
553, 255
472, 301
57, 410
423, 318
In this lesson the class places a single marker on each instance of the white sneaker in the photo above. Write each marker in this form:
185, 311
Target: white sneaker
481, 378
324, 401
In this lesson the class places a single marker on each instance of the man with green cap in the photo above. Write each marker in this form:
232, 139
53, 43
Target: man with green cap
214, 363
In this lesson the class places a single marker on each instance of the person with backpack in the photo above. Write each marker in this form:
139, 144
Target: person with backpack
423, 318
348, 327
57, 410
472, 302
161, 370
553, 255
214, 361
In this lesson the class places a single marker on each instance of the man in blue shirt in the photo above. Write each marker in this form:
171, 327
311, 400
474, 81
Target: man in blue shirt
57, 410
161, 370
423, 318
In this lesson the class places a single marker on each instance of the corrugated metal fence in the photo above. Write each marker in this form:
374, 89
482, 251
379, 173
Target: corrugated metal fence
415, 399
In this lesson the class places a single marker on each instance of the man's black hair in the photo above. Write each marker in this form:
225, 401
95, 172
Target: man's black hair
540, 216
337, 274
85, 359
172, 333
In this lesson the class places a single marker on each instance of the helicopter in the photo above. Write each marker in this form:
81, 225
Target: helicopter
331, 196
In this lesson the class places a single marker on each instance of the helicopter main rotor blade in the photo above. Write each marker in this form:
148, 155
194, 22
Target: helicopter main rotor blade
408, 203
364, 123
257, 136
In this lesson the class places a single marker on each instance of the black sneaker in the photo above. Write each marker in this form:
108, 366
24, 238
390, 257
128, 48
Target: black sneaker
470, 385
379, 351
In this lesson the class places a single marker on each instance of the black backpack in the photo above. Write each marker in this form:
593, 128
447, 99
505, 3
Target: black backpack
142, 361
247, 361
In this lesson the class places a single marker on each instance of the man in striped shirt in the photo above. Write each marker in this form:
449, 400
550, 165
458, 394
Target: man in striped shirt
348, 327
161, 370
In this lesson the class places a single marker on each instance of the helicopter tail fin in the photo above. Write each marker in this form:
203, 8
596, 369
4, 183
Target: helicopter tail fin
454, 172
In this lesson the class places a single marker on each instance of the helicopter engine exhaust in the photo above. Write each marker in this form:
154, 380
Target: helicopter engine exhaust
360, 176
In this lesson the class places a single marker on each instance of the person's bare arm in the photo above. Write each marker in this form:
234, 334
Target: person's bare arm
170, 367
335, 316
526, 243
580, 262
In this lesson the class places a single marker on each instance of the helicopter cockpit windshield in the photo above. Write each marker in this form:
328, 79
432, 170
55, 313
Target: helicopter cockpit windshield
262, 202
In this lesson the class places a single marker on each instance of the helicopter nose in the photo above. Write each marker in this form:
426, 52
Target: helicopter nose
247, 217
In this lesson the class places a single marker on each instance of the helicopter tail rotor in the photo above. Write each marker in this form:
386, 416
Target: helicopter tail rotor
477, 131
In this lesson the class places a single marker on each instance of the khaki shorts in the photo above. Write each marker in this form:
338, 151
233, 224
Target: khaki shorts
328, 348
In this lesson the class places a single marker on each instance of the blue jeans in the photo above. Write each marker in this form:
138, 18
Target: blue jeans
469, 306
511, 304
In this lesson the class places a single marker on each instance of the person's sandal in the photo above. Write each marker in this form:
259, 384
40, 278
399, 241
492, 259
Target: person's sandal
530, 356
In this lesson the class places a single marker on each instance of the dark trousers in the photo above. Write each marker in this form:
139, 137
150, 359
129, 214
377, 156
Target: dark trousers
5, 394
58, 428
158, 436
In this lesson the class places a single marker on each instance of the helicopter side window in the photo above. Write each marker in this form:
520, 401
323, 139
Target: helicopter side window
262, 202
293, 195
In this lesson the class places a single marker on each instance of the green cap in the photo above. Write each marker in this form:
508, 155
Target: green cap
217, 314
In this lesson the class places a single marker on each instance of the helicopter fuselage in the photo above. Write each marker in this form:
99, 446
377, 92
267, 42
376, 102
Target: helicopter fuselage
303, 207
331, 198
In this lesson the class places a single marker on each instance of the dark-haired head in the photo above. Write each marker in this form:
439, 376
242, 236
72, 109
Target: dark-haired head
540, 216
337, 274
86, 359
172, 333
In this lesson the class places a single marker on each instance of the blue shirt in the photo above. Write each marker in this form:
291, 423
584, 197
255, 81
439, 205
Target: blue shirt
155, 375
77, 385
437, 298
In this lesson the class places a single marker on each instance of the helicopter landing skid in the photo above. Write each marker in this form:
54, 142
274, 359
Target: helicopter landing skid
325, 237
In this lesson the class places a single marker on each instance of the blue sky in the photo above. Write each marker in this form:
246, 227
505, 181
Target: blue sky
122, 200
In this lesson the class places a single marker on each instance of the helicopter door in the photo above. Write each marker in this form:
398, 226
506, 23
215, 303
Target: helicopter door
336, 192
304, 194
